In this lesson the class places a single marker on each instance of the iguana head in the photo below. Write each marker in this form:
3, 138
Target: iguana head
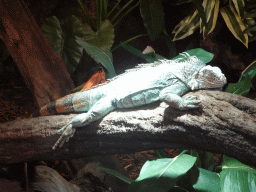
208, 77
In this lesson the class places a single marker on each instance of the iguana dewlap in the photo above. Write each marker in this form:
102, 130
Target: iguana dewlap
165, 80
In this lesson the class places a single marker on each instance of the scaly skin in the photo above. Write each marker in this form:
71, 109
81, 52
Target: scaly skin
165, 80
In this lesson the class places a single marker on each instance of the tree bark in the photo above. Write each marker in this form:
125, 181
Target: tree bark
224, 123
43, 70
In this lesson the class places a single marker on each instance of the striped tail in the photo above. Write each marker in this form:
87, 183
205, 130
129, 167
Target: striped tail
60, 106
73, 103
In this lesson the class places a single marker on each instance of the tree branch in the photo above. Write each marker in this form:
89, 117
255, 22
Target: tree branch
224, 123
35, 57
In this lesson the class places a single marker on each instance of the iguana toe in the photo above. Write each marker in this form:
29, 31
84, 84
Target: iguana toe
68, 132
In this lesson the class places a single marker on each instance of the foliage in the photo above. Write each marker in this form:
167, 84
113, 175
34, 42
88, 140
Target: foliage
69, 37
101, 56
152, 14
239, 16
162, 174
200, 53
244, 84
61, 35
181, 174
236, 175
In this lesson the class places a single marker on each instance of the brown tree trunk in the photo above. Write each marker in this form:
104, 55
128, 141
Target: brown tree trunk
224, 123
42, 69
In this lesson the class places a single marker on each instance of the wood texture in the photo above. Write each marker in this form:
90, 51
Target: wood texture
43, 70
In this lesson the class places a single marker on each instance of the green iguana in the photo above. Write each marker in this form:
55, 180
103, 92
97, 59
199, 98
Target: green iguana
165, 80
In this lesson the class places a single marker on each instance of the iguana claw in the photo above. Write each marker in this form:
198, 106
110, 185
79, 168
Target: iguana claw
68, 132
191, 102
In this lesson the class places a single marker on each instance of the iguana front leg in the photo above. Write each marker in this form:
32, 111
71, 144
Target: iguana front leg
171, 95
98, 110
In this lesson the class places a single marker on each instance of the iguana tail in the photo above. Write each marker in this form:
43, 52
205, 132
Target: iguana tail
62, 105
76, 102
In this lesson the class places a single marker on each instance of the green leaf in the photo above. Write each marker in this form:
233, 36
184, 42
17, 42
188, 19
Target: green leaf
62, 38
98, 11
234, 23
211, 10
200, 53
52, 30
160, 153
100, 56
115, 173
236, 176
87, 16
103, 38
171, 45
162, 174
186, 27
153, 16
250, 71
127, 41
207, 181
137, 52
201, 12
239, 5
241, 88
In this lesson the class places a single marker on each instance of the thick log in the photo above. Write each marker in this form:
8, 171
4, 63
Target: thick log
224, 123
43, 70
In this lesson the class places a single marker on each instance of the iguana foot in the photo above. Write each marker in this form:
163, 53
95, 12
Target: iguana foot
190, 102
67, 132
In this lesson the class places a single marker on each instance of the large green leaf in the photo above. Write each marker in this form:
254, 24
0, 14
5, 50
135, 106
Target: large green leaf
100, 56
62, 38
186, 27
103, 38
207, 181
236, 176
153, 16
234, 23
162, 174
241, 88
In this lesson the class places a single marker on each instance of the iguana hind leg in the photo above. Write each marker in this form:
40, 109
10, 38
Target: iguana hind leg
98, 110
